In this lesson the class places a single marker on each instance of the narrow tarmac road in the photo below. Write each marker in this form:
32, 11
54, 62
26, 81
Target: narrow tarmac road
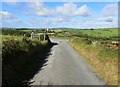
65, 67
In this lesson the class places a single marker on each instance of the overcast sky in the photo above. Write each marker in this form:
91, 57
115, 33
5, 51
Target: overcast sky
59, 14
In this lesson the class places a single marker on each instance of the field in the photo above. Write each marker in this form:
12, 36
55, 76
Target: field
99, 48
96, 32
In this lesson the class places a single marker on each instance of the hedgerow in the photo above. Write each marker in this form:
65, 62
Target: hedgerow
20, 59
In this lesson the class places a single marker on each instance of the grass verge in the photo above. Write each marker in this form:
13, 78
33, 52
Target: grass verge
103, 59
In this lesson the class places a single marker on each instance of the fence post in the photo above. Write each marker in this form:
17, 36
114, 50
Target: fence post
44, 37
32, 35
39, 38
24, 35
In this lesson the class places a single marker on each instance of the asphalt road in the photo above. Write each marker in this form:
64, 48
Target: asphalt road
65, 67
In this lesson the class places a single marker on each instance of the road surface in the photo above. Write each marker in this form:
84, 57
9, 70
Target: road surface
65, 67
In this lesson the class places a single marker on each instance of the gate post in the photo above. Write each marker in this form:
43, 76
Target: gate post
32, 35
39, 38
44, 37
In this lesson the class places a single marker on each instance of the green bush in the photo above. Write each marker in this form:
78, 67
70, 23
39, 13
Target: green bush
87, 41
15, 32
20, 59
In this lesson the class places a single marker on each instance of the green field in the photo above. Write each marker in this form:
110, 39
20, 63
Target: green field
96, 32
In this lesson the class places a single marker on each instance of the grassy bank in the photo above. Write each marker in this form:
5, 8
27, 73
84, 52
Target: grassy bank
103, 59
21, 57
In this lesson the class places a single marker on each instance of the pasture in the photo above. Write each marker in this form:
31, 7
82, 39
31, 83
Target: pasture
94, 32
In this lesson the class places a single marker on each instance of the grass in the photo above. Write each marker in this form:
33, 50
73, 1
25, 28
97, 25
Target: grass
101, 32
7, 37
103, 60
96, 32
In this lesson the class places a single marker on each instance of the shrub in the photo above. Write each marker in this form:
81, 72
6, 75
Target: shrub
15, 32
87, 41
20, 59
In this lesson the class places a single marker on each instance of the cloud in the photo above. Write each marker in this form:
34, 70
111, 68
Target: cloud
35, 5
48, 21
6, 15
106, 19
13, 23
110, 10
18, 21
109, 15
75, 23
12, 3
83, 11
109, 19
39, 9
57, 19
70, 9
